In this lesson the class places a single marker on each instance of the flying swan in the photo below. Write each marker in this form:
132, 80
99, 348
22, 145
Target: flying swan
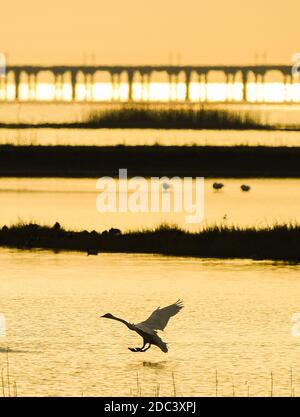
148, 329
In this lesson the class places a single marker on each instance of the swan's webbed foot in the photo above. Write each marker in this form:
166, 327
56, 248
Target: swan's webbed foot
135, 349
140, 349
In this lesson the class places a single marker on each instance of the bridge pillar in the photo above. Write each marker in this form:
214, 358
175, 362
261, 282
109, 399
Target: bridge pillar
245, 86
227, 86
262, 89
259, 81
32, 85
91, 79
3, 86
170, 78
173, 97
177, 85
35, 82
115, 86
205, 96
86, 86
292, 81
256, 86
56, 85
202, 79
130, 84
144, 86
61, 86
73, 85
230, 83
233, 86
112, 83
199, 85
187, 85
119, 86
29, 85
148, 86
17, 85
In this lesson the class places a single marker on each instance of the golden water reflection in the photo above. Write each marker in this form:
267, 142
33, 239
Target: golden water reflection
159, 91
236, 320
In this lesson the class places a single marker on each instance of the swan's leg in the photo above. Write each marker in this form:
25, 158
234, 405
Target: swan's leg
144, 350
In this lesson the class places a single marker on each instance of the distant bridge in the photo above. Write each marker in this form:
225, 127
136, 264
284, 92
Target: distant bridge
201, 73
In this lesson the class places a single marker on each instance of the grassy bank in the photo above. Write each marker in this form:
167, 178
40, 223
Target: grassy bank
280, 242
189, 118
134, 117
93, 161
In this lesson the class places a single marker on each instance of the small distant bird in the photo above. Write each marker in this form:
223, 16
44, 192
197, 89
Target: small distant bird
218, 186
245, 187
57, 226
92, 252
148, 329
114, 231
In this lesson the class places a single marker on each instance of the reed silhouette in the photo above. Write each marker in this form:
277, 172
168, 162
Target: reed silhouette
172, 118
277, 242
149, 117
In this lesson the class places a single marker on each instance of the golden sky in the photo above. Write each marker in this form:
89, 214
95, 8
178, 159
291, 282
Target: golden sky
153, 31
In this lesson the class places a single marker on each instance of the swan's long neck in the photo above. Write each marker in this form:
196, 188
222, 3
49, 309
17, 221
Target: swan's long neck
129, 325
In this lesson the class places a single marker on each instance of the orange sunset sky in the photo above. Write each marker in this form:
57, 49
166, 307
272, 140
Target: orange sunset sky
155, 31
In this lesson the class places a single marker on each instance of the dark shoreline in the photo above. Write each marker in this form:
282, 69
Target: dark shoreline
278, 243
147, 161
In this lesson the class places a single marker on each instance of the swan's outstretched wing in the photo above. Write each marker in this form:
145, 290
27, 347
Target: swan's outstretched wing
160, 317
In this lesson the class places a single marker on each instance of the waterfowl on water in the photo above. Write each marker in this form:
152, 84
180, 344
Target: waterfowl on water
245, 187
148, 329
218, 186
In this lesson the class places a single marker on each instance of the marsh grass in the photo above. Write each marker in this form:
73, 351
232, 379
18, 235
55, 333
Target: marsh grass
157, 117
9, 388
172, 118
276, 242
272, 385
220, 387
217, 382
8, 384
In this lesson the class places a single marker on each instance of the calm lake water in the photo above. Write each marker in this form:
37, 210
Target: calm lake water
238, 313
237, 319
72, 202
36, 113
